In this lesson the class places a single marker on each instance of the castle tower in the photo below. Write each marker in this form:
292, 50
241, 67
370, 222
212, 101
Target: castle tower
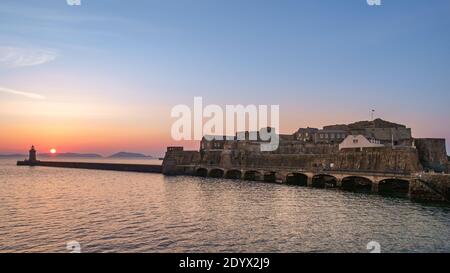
32, 156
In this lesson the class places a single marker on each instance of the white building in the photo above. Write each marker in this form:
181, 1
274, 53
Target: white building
359, 142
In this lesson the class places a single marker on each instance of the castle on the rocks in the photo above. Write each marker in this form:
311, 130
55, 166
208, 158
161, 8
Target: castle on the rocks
376, 145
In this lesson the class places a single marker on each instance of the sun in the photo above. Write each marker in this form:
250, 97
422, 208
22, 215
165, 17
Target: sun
53, 151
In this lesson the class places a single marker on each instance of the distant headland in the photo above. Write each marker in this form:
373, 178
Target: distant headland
82, 155
129, 155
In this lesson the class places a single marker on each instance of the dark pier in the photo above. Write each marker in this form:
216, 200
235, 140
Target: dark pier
95, 166
142, 168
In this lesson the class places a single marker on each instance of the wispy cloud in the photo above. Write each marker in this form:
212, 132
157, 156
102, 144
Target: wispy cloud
28, 18
21, 93
22, 57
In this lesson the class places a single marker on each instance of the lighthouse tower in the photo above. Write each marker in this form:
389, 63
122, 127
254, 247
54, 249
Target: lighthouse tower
32, 156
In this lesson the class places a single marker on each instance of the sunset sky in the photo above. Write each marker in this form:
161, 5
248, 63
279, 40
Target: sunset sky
103, 77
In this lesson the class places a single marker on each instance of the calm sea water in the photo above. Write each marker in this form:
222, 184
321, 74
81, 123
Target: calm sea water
41, 209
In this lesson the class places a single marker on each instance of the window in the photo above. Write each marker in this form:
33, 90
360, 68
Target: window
332, 135
355, 141
321, 135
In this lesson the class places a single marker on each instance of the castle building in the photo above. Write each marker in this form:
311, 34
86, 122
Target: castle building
305, 134
333, 140
330, 136
359, 142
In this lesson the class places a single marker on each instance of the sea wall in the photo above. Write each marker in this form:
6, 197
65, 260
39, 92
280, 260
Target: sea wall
176, 158
432, 154
430, 187
371, 160
379, 160
95, 166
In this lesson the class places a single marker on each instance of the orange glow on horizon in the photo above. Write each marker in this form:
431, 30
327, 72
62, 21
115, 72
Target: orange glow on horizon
144, 131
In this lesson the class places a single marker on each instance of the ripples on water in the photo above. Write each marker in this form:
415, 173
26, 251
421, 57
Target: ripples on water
43, 208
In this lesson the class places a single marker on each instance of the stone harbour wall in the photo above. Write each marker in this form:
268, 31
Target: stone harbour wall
379, 160
430, 187
174, 161
376, 160
432, 154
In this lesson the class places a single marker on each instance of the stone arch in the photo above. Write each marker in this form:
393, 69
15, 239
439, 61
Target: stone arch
270, 177
357, 183
324, 181
216, 173
298, 179
233, 174
394, 186
202, 172
252, 176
